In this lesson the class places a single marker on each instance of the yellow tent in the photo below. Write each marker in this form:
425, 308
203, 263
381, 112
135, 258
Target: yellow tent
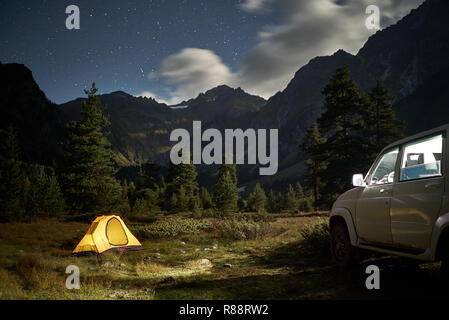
107, 233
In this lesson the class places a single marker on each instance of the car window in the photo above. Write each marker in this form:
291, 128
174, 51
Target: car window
384, 172
422, 158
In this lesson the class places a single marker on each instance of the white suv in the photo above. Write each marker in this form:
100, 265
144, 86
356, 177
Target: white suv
401, 206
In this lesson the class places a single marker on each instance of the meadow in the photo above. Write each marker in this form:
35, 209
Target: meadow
252, 257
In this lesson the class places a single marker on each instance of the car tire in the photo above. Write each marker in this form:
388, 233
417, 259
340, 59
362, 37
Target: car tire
445, 267
343, 253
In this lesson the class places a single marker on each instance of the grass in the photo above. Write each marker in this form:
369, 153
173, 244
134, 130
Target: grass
286, 259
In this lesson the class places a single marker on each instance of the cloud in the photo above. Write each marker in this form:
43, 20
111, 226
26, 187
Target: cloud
308, 28
254, 5
192, 71
149, 94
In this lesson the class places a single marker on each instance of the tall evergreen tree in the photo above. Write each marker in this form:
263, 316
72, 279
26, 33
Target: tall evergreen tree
89, 182
148, 176
225, 194
291, 201
43, 197
257, 199
299, 190
273, 205
206, 198
381, 127
341, 124
12, 179
231, 169
182, 179
314, 146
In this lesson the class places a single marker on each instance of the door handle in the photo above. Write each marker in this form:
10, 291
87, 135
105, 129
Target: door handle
386, 191
432, 186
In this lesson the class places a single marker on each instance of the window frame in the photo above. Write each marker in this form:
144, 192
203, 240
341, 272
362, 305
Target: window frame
441, 133
377, 163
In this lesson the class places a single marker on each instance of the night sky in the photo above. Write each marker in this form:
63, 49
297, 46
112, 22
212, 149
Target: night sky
174, 49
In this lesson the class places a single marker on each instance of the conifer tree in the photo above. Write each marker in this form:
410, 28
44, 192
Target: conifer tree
12, 179
299, 190
272, 203
148, 176
89, 182
231, 169
225, 194
291, 201
206, 198
257, 199
341, 125
43, 197
381, 127
314, 146
182, 179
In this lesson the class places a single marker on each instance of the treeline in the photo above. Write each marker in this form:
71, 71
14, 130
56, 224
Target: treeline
26, 190
85, 182
353, 128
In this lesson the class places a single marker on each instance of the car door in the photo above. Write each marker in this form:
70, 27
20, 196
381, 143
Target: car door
417, 196
373, 207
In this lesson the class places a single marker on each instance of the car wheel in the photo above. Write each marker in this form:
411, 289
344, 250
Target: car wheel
445, 267
342, 250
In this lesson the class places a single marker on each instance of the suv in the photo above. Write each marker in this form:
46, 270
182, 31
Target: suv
401, 206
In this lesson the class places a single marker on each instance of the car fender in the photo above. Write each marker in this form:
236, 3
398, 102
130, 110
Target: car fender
440, 225
346, 215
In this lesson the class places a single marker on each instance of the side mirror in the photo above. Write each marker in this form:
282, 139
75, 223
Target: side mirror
358, 181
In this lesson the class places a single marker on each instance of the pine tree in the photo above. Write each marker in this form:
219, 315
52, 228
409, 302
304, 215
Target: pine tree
257, 199
231, 169
182, 178
314, 145
225, 194
196, 207
148, 176
183, 199
273, 203
43, 197
89, 182
206, 198
341, 125
291, 201
381, 127
299, 190
12, 179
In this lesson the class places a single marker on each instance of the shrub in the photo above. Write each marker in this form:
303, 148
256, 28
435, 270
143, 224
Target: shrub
306, 205
43, 196
169, 228
257, 217
208, 213
316, 237
245, 230
139, 207
29, 267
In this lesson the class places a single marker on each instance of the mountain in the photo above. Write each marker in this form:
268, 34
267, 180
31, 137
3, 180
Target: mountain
222, 103
39, 122
140, 127
404, 56
410, 57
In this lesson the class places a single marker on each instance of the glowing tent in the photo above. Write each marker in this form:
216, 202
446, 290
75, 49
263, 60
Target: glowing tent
107, 233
